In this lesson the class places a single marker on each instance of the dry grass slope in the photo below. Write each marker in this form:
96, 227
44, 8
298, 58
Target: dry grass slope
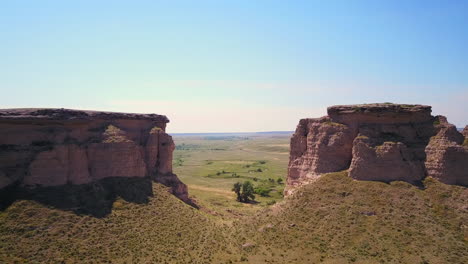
338, 220
333, 220
163, 231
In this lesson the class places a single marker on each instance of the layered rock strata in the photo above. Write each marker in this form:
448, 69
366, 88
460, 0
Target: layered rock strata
55, 147
381, 142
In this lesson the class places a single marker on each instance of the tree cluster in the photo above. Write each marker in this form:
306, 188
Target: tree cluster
244, 191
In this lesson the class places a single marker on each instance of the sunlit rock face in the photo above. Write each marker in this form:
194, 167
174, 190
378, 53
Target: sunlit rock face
53, 147
381, 142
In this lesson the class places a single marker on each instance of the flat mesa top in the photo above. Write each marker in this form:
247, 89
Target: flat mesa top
71, 114
379, 108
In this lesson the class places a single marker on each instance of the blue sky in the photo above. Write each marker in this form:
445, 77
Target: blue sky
227, 66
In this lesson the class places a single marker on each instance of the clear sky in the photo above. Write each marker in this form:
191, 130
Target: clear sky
240, 65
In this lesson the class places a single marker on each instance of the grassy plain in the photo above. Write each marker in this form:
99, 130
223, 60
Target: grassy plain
211, 163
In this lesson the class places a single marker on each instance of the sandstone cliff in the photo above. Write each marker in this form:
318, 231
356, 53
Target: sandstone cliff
382, 142
55, 147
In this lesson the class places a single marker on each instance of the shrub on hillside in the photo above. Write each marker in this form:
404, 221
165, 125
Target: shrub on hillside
262, 191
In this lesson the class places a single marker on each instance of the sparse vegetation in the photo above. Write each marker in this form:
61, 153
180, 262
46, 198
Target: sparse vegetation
262, 191
240, 160
164, 230
178, 162
338, 220
333, 220
335, 124
113, 134
155, 130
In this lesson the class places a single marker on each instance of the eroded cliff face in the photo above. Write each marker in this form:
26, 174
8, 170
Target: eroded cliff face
54, 147
447, 155
382, 142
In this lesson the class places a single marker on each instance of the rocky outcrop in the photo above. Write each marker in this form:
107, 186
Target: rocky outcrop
319, 146
465, 132
54, 147
382, 142
447, 154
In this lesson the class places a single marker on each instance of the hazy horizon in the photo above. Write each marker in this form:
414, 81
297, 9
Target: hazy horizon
232, 66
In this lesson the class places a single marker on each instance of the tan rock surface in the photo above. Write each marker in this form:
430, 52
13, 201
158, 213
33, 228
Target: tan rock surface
382, 142
318, 146
447, 158
52, 147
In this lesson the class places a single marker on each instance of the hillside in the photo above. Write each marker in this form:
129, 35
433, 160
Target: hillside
333, 220
164, 230
340, 220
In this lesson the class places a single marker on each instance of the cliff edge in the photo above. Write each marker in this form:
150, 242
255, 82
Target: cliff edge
56, 147
380, 142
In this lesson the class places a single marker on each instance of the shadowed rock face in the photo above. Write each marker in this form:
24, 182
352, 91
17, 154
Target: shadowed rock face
55, 147
382, 142
465, 132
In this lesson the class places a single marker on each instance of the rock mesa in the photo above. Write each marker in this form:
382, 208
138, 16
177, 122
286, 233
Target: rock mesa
54, 147
379, 142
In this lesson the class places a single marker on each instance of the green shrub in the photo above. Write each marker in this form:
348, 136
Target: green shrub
262, 191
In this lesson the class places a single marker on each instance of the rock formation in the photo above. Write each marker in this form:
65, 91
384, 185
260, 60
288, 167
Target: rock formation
465, 132
55, 147
381, 142
447, 154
